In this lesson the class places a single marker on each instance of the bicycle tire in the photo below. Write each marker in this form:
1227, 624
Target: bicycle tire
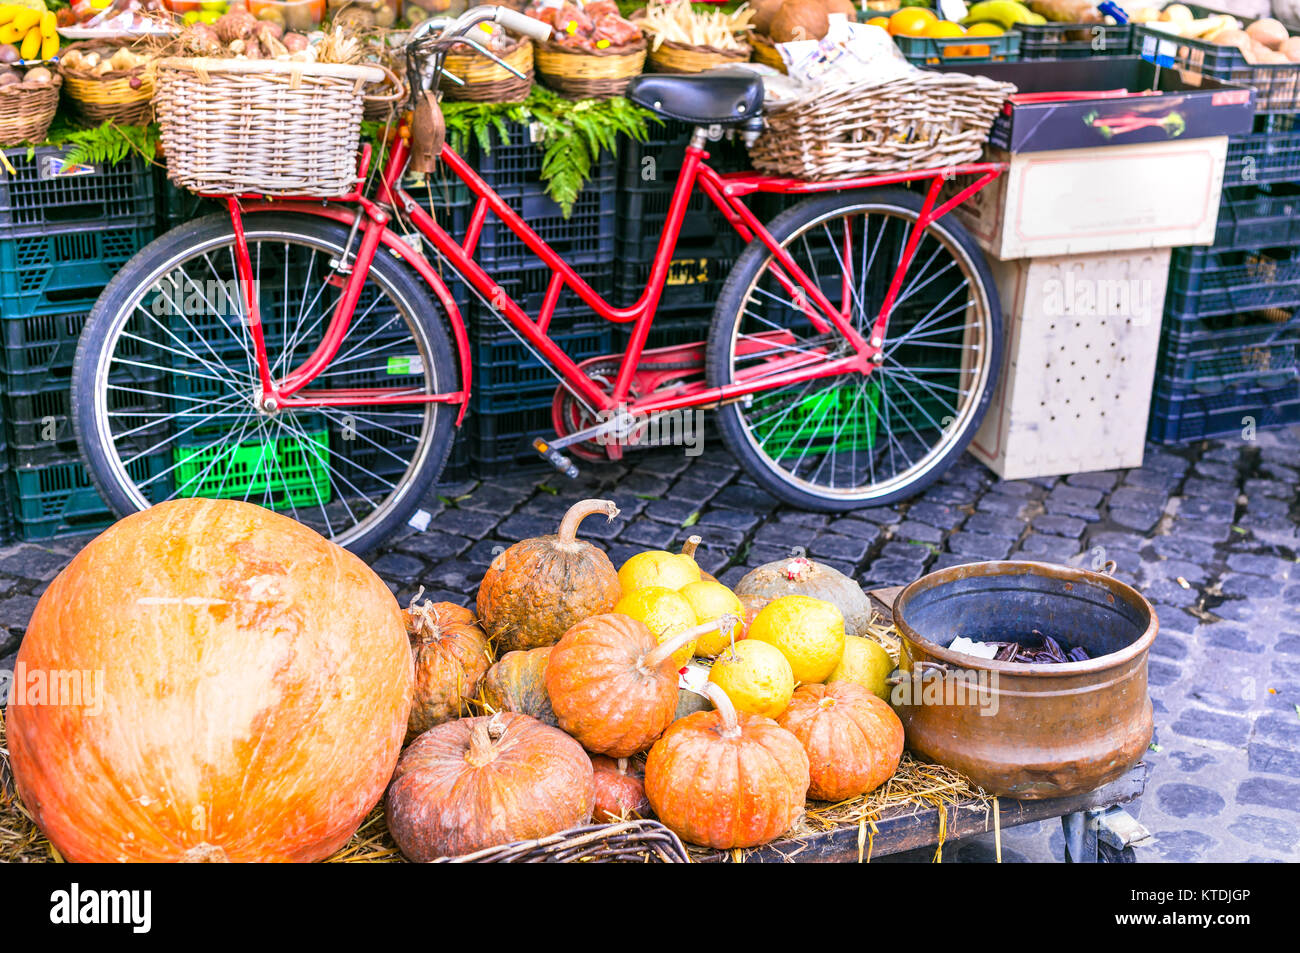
388, 274
736, 293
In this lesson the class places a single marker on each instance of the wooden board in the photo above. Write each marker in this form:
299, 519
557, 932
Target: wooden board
911, 828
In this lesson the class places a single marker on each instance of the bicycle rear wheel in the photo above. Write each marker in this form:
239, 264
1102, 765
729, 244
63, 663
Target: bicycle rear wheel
853, 440
164, 392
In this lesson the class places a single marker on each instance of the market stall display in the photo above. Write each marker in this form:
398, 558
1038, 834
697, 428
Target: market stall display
482, 79
593, 52
108, 83
683, 40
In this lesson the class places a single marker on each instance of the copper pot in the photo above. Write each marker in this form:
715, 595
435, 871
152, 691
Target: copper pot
1026, 731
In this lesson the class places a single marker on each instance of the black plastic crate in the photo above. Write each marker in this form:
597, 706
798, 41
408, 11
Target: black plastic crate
39, 350
955, 50
587, 231
39, 424
1277, 85
527, 287
643, 213
37, 200
656, 162
695, 277
504, 442
59, 499
1179, 415
176, 206
6, 518
1070, 41
513, 165
1211, 356
458, 465
1262, 217
507, 377
671, 327
63, 271
1269, 155
1207, 281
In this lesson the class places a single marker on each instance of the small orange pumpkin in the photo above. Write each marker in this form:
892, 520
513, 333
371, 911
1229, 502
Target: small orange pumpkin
451, 654
722, 779
620, 789
475, 783
537, 588
853, 739
613, 687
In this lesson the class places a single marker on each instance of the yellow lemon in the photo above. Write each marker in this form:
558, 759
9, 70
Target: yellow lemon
866, 662
665, 612
982, 29
809, 632
710, 600
756, 677
657, 568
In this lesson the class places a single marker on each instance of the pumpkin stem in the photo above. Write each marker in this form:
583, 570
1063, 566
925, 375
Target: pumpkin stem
568, 531
726, 710
664, 650
482, 740
691, 544
622, 765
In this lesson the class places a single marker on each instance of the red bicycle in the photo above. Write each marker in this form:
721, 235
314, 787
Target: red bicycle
303, 355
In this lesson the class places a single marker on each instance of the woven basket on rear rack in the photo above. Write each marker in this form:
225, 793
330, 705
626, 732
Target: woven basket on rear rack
923, 120
485, 81
636, 842
765, 52
674, 57
266, 126
381, 106
26, 110
122, 96
582, 75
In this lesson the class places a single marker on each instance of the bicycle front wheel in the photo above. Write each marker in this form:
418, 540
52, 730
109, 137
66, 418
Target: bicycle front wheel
843, 442
165, 382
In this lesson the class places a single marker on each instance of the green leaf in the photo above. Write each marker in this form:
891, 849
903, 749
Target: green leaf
547, 488
691, 520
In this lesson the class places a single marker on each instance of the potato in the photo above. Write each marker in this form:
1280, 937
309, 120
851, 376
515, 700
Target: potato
9, 53
1268, 32
38, 74
1291, 49
9, 78
1177, 13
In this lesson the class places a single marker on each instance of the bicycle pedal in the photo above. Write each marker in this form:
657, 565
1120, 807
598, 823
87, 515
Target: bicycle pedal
555, 458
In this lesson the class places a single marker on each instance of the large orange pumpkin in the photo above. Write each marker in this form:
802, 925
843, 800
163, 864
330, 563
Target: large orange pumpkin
536, 589
517, 682
479, 782
451, 655
722, 779
853, 739
613, 686
256, 680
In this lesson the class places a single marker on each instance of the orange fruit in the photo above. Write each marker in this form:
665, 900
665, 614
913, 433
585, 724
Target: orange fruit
882, 22
756, 677
665, 613
944, 30
809, 632
711, 600
982, 29
911, 21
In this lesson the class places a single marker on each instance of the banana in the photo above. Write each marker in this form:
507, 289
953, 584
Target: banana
49, 24
24, 20
1005, 13
8, 12
31, 47
49, 47
10, 34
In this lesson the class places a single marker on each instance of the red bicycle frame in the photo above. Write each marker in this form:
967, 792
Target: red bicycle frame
726, 192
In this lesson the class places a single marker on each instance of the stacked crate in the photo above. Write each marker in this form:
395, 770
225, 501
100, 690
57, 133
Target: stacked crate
512, 390
64, 233
1229, 341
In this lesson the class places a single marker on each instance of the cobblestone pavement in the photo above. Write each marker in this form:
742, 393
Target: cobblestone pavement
1210, 533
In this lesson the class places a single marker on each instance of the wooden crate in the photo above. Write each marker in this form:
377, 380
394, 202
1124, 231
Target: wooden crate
1081, 333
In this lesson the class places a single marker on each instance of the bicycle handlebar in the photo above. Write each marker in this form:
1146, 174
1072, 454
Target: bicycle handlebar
512, 20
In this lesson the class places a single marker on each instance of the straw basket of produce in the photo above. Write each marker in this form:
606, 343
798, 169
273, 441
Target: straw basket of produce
921, 120
765, 52
107, 81
274, 127
28, 101
594, 51
485, 81
685, 41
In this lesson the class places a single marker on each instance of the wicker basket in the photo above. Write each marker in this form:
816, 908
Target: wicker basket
673, 57
381, 106
26, 110
123, 96
581, 75
266, 126
485, 81
923, 120
765, 52
637, 842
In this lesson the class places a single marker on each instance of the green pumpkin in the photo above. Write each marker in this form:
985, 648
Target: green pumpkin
517, 682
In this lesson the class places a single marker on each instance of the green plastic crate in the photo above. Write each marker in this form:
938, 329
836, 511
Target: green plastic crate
283, 471
842, 419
